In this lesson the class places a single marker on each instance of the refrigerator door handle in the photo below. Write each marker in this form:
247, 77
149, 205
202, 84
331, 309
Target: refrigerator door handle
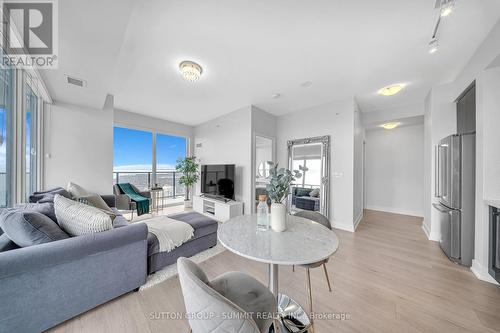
440, 169
444, 167
438, 207
436, 172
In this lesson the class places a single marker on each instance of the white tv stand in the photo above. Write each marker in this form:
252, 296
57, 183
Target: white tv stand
217, 209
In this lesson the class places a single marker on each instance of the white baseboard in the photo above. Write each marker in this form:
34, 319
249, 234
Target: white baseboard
426, 230
481, 272
430, 236
343, 226
395, 211
358, 220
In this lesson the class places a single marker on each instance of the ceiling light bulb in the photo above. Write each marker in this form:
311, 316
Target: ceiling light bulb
391, 90
447, 8
433, 45
390, 126
191, 71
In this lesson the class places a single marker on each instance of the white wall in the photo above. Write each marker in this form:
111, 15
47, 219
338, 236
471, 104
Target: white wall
228, 140
395, 170
487, 164
358, 186
263, 123
428, 171
489, 86
79, 142
337, 120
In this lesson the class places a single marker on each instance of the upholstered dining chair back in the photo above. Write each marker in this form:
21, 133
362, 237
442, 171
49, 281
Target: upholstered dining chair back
315, 216
206, 309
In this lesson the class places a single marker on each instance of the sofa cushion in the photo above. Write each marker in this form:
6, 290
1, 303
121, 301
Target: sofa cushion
80, 219
119, 220
27, 228
6, 244
48, 196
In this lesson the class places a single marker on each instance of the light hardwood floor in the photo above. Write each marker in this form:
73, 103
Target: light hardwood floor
387, 277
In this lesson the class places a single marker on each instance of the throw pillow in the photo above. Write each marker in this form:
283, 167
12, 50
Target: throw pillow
95, 200
6, 244
27, 228
76, 190
303, 192
80, 219
314, 193
46, 209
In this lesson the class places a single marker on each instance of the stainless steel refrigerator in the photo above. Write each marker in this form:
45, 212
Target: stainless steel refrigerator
455, 190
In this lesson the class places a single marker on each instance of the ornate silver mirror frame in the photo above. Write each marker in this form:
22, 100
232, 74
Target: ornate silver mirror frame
325, 169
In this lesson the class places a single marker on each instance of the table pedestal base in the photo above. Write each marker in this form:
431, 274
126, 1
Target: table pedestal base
293, 318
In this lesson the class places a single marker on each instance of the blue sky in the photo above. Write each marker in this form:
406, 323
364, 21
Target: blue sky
132, 150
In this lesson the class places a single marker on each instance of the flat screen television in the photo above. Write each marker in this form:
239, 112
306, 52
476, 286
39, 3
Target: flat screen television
218, 180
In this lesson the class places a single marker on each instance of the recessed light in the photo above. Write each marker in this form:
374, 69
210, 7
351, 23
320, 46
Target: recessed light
433, 46
306, 84
390, 126
190, 70
391, 90
276, 96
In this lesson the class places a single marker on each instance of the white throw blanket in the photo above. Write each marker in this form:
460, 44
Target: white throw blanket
170, 233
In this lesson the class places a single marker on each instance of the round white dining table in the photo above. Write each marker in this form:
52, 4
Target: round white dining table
303, 242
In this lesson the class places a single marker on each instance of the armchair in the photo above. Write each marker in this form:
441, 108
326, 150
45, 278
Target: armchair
123, 201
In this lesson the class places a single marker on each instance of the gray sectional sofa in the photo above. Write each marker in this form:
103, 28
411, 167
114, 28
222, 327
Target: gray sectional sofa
44, 285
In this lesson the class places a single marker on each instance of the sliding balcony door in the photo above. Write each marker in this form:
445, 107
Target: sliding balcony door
147, 159
168, 150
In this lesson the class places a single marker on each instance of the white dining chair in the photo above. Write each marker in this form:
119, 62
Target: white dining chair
233, 302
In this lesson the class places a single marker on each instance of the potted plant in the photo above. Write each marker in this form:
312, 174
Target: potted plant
189, 169
278, 189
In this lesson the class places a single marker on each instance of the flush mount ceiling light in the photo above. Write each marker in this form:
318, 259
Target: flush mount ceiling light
190, 70
433, 46
306, 84
390, 126
446, 7
391, 90
276, 96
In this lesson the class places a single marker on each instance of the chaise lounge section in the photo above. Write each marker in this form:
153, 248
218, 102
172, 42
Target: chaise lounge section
205, 237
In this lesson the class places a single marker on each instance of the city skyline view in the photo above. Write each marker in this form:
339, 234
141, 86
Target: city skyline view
133, 150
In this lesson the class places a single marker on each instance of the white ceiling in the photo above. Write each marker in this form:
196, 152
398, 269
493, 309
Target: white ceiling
253, 49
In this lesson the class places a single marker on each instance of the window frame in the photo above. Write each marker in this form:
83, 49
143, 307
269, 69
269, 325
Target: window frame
154, 133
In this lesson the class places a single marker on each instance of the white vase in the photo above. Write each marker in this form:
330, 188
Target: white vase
188, 204
278, 217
